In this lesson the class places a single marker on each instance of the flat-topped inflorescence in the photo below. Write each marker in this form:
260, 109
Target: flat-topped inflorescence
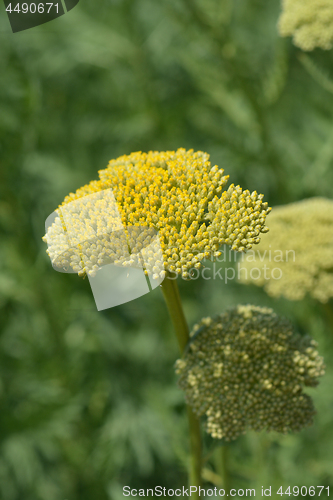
176, 194
246, 370
309, 22
300, 245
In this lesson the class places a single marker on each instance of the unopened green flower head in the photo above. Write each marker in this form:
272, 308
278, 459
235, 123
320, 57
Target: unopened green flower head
300, 246
309, 22
178, 194
246, 370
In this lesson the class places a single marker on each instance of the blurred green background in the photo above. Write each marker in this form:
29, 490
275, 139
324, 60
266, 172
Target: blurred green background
88, 400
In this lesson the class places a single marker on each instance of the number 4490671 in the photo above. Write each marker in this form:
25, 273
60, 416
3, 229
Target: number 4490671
303, 491
32, 8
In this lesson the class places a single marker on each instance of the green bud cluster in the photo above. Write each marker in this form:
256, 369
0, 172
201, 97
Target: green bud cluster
246, 370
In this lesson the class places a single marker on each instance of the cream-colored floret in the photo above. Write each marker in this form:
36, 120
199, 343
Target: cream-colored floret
309, 22
300, 245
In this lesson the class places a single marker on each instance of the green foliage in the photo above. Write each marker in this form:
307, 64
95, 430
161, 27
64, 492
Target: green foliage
88, 400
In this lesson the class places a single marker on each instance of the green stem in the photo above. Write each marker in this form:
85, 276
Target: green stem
316, 72
174, 305
328, 309
221, 464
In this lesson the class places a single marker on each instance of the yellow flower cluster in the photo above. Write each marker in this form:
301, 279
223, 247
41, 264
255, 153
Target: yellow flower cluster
246, 369
310, 22
300, 245
176, 194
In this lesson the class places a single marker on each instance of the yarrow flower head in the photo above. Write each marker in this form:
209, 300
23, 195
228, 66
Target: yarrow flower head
300, 244
310, 22
177, 195
245, 370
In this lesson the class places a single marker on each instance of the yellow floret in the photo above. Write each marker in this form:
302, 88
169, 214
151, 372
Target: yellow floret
176, 194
